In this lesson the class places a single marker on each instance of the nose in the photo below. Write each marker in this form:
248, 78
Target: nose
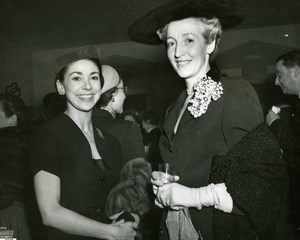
87, 85
277, 83
179, 50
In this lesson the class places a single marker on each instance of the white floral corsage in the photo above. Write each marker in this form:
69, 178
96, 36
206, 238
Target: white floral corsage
205, 90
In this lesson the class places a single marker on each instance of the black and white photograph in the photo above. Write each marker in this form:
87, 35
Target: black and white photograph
150, 119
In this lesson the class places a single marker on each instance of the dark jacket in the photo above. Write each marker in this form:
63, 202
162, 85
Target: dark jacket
198, 140
288, 133
15, 175
127, 133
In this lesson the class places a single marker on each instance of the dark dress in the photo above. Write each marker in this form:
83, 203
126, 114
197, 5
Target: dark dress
198, 140
127, 133
59, 147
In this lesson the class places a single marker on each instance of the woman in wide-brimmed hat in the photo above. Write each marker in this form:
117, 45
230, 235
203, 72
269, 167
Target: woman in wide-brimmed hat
232, 180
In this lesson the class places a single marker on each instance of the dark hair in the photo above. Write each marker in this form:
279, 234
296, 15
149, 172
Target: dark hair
14, 105
150, 116
290, 59
106, 97
135, 115
60, 75
53, 105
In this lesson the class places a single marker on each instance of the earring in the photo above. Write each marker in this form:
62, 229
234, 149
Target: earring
113, 100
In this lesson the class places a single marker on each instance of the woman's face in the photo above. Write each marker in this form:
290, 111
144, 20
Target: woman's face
81, 85
4, 120
186, 47
119, 98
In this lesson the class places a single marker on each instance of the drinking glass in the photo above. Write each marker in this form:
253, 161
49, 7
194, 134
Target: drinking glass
166, 172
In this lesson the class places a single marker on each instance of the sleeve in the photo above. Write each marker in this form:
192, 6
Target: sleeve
242, 111
134, 146
45, 152
287, 134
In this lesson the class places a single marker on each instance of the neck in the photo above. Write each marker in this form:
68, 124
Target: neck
110, 110
150, 129
82, 119
189, 82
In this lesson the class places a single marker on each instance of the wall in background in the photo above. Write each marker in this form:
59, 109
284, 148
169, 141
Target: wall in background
33, 72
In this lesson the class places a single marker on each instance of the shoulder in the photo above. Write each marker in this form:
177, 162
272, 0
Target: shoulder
238, 91
52, 127
235, 84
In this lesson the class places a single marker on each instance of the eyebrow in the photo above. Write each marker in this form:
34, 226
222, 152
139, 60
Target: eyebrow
189, 33
80, 73
184, 35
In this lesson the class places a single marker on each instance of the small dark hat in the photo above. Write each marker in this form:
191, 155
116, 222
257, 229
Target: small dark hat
75, 55
143, 30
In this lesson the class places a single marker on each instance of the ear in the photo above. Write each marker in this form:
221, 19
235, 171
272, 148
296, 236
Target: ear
211, 47
13, 120
60, 88
296, 71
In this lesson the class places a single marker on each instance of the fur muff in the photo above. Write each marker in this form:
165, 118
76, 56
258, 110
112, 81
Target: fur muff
132, 192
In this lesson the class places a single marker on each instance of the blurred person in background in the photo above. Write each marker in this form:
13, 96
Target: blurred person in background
110, 104
53, 105
287, 131
150, 124
15, 178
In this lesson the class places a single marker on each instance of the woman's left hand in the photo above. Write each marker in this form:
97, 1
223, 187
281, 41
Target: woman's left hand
115, 217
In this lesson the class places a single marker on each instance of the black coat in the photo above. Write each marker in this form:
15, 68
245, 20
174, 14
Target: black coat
198, 140
255, 176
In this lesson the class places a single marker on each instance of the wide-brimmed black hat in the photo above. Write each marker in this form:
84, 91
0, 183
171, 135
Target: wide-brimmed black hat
143, 30
75, 55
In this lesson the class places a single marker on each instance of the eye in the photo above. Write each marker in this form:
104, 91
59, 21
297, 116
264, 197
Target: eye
95, 77
76, 78
170, 44
189, 40
278, 74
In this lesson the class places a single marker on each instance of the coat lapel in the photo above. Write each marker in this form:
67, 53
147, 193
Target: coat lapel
172, 114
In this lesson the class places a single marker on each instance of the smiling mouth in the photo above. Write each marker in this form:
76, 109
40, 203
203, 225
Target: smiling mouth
182, 63
86, 96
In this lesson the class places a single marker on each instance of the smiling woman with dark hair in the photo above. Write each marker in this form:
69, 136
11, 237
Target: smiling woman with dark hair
74, 163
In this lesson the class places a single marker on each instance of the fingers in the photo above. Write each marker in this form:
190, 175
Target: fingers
157, 203
155, 175
115, 216
173, 178
136, 218
157, 182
